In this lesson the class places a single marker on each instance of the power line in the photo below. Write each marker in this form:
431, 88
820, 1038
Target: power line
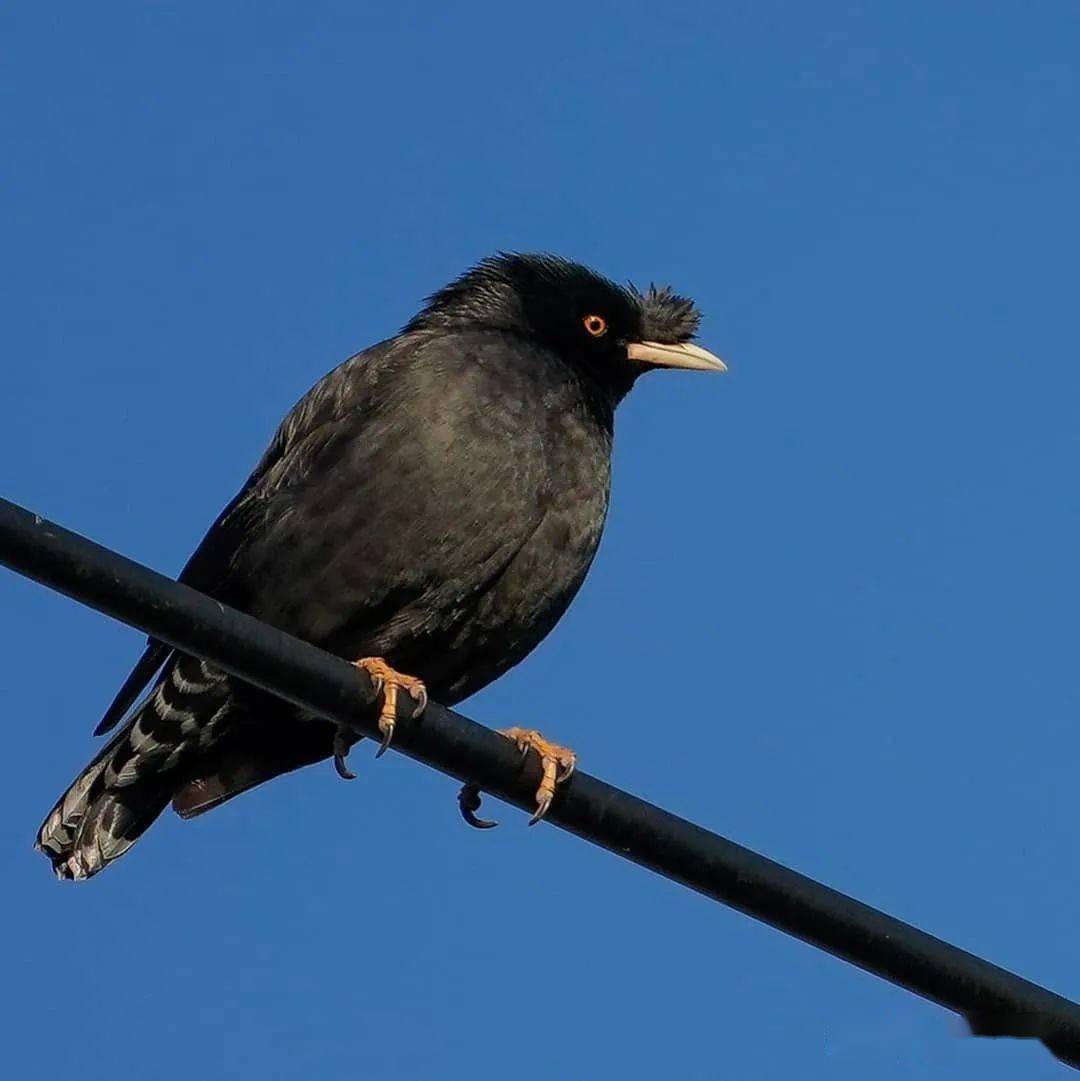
993, 1001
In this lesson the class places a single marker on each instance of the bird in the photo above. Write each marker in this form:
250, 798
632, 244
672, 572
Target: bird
427, 511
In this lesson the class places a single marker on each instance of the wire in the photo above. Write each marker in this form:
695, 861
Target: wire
993, 1001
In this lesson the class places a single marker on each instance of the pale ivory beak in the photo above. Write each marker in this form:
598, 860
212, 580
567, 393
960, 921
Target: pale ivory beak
682, 355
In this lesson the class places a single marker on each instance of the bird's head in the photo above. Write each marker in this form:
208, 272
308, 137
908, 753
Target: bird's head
610, 333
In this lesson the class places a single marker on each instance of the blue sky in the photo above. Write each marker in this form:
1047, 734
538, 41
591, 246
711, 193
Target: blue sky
859, 547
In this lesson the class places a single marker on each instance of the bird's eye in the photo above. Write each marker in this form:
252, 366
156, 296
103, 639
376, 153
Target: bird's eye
596, 325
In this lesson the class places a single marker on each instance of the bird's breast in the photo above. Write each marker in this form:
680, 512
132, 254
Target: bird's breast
454, 526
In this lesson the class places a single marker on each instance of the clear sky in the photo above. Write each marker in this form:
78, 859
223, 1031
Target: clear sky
859, 548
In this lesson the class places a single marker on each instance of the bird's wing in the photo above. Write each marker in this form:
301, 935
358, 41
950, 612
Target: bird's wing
307, 426
147, 666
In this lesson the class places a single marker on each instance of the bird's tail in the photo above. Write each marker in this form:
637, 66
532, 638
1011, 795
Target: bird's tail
130, 782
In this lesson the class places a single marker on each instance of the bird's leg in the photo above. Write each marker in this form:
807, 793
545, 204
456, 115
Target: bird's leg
388, 682
557, 764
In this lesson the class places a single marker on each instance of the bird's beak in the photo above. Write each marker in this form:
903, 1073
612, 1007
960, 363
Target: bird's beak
681, 355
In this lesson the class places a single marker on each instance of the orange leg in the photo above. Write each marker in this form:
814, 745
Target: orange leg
388, 682
556, 763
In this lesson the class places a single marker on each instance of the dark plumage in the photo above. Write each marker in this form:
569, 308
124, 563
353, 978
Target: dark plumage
436, 500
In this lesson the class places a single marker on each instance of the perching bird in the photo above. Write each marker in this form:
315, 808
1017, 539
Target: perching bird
430, 507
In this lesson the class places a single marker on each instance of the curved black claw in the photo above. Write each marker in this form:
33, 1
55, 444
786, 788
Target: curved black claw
421, 701
343, 770
542, 807
388, 735
341, 753
469, 802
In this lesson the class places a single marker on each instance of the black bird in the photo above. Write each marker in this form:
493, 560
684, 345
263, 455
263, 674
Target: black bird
430, 507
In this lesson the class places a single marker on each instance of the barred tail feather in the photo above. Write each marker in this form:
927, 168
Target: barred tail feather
130, 782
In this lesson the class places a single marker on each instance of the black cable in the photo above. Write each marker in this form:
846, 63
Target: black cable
993, 1001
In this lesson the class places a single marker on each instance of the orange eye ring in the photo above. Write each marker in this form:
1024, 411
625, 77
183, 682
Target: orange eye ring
596, 325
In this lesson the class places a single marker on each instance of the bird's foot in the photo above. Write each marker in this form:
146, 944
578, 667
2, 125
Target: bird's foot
557, 764
388, 682
342, 746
